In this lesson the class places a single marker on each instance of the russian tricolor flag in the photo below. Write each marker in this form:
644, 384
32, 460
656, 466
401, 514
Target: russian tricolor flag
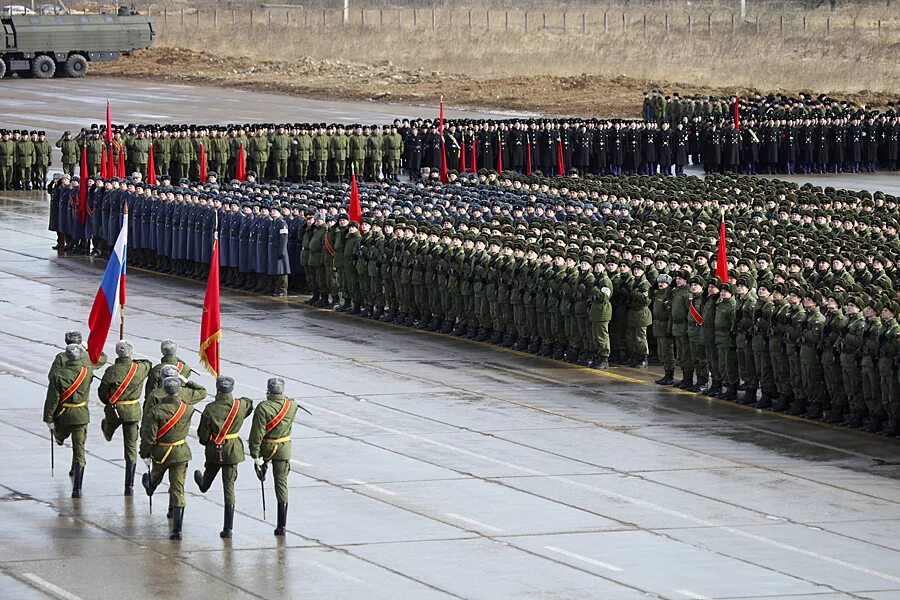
110, 295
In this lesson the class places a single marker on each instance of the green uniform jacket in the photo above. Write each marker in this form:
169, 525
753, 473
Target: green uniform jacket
183, 150
317, 246
724, 324
600, 295
303, 147
61, 359
261, 442
61, 379
138, 150
662, 310
69, 150
393, 146
639, 314
339, 147
320, 144
280, 146
214, 416
358, 147
7, 153
153, 379
375, 147
155, 446
191, 393
42, 153
681, 297
114, 376
25, 153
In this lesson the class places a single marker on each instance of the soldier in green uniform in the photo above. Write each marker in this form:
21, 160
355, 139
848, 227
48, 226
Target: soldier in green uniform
868, 364
120, 392
259, 152
317, 261
778, 347
42, 160
813, 338
726, 346
695, 305
337, 236
169, 351
162, 152
763, 315
219, 431
850, 347
830, 355
639, 317
600, 313
680, 297
357, 147
393, 151
182, 155
7, 160
280, 145
321, 143
65, 407
25, 160
139, 151
888, 353
339, 152
374, 154
662, 311
68, 147
745, 309
355, 270
302, 152
270, 442
163, 433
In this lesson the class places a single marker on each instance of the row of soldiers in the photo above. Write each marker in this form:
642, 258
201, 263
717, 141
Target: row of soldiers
570, 268
25, 158
157, 430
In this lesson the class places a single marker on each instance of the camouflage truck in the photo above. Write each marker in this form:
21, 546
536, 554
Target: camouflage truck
44, 46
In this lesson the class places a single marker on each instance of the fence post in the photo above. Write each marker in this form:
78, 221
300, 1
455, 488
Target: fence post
757, 24
781, 23
804, 24
709, 24
487, 20
690, 24
667, 23
305, 18
166, 14
605, 22
732, 23
828, 26
433, 20
415, 18
645, 24
216, 19
879, 26
233, 18
583, 23
506, 20
182, 17
543, 21
526, 21
269, 19
624, 21
287, 15
470, 20
565, 25
362, 17
198, 17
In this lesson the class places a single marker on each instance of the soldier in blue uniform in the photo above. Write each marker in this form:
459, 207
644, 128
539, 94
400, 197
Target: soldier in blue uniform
277, 256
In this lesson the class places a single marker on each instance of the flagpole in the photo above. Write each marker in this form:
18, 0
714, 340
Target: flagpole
122, 299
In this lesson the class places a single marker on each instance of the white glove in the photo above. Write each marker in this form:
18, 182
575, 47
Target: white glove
50, 426
147, 462
182, 378
259, 461
606, 291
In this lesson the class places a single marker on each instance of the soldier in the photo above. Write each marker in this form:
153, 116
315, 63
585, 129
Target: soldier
163, 433
7, 160
394, 149
270, 441
696, 303
726, 346
280, 144
138, 152
744, 320
662, 327
279, 266
65, 407
169, 351
680, 298
42, 160
25, 154
639, 317
120, 390
302, 152
219, 431
320, 144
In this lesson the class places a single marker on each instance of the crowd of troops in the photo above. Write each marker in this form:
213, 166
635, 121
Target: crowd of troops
25, 158
156, 430
592, 270
780, 134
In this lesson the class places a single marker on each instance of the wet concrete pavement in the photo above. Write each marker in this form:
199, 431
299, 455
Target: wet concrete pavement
432, 467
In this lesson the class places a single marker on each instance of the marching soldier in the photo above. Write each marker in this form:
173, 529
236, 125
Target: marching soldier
120, 390
169, 350
270, 442
163, 433
218, 431
65, 407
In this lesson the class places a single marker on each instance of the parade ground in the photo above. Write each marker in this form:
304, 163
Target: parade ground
431, 466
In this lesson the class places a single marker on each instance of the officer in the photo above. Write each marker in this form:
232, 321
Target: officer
218, 431
163, 433
279, 266
680, 298
42, 160
270, 442
120, 390
662, 327
65, 407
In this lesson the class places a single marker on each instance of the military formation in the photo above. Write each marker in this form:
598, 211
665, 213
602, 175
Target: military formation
157, 429
25, 158
778, 133
591, 270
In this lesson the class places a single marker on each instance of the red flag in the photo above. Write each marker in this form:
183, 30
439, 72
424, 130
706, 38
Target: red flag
560, 158
354, 212
473, 167
499, 153
108, 135
120, 167
528, 166
444, 176
462, 157
110, 161
210, 321
722, 258
151, 166
82, 185
103, 165
737, 113
240, 172
202, 164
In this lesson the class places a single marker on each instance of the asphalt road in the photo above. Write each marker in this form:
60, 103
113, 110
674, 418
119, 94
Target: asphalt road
432, 467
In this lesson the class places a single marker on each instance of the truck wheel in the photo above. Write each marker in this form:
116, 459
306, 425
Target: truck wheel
43, 67
76, 66
2, 68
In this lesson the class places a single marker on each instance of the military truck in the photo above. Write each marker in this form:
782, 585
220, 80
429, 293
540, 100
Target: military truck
42, 46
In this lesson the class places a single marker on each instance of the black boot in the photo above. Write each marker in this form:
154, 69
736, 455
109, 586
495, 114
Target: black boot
749, 397
854, 420
229, 521
601, 362
714, 388
730, 394
891, 429
177, 520
282, 518
145, 481
781, 404
687, 380
77, 478
640, 362
667, 378
129, 478
199, 480
765, 401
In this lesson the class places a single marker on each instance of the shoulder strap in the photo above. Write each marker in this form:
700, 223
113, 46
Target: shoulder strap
179, 366
220, 437
72, 388
171, 422
124, 385
277, 419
